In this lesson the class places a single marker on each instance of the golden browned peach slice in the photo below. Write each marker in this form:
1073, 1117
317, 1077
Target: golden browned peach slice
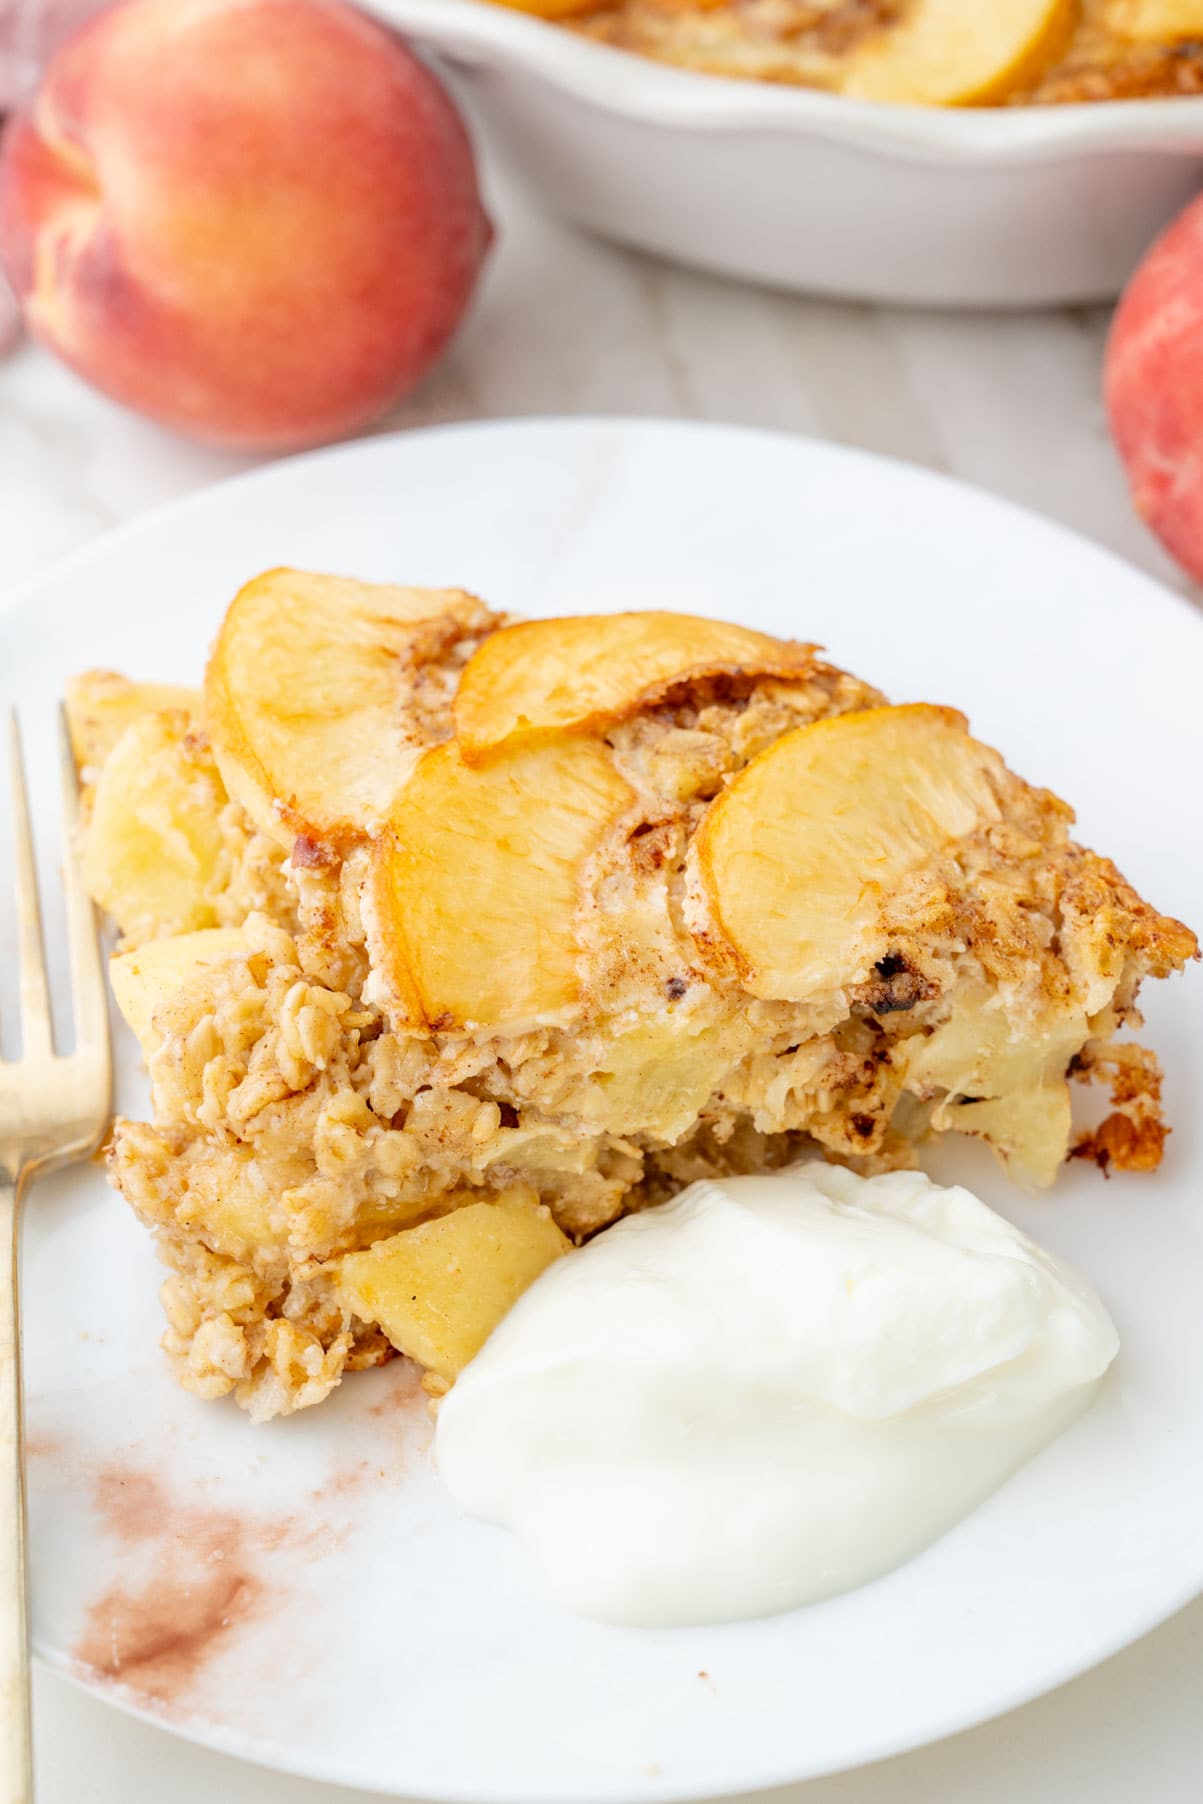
472, 892
307, 697
789, 867
543, 677
947, 53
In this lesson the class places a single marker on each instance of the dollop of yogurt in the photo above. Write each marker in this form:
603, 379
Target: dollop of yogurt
767, 1391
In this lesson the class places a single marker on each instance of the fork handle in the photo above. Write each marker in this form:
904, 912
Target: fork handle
16, 1762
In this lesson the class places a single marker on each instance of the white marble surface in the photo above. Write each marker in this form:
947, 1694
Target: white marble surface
568, 326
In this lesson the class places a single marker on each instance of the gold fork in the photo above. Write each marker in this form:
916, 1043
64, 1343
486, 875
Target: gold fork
53, 1109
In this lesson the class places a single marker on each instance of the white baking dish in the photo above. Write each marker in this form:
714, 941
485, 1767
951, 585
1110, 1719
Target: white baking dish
1010, 207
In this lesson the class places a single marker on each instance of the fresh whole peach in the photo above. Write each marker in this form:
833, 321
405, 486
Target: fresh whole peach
1154, 387
256, 221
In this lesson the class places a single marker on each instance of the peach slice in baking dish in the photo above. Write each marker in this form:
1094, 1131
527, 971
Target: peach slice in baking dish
948, 53
551, 9
1157, 22
790, 866
306, 696
565, 9
542, 677
473, 890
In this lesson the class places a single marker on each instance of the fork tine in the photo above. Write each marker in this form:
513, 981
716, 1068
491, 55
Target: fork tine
87, 968
36, 1033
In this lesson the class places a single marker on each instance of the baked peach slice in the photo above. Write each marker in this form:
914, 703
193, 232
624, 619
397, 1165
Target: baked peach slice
1155, 21
540, 678
472, 893
549, 9
309, 697
789, 868
947, 53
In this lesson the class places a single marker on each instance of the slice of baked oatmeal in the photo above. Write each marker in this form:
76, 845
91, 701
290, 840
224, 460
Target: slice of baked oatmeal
421, 910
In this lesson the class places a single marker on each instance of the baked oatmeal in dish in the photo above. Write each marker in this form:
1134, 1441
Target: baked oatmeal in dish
925, 52
448, 940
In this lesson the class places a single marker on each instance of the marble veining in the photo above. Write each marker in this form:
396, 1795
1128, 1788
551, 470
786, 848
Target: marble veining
1008, 401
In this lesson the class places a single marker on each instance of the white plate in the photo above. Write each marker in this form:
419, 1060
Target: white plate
303, 1593
953, 206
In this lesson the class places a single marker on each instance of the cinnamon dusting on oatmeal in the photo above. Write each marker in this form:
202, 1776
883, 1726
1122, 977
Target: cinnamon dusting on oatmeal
310, 854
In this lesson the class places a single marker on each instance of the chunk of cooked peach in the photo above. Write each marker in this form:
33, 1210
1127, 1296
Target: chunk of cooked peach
146, 980
439, 1290
154, 841
100, 705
